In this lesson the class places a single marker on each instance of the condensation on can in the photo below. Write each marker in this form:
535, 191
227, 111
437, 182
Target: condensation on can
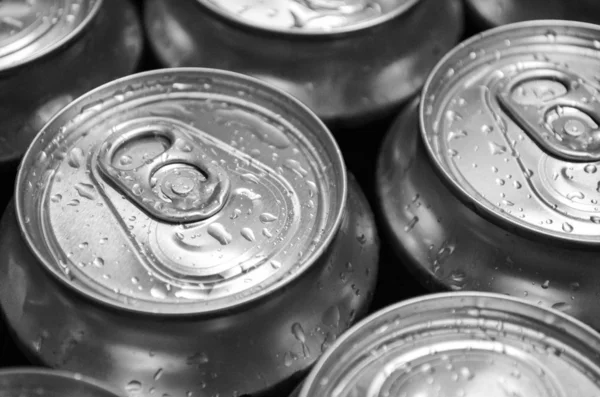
31, 382
187, 231
353, 62
50, 53
498, 191
461, 344
485, 14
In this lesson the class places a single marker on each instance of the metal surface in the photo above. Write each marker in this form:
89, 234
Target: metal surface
35, 382
461, 344
235, 301
346, 70
492, 13
53, 51
481, 203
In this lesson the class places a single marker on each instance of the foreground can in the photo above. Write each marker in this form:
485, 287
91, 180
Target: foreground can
185, 231
485, 14
50, 53
461, 344
499, 192
351, 61
35, 382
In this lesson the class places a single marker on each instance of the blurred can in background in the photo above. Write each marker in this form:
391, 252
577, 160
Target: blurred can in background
461, 344
353, 62
485, 14
33, 382
498, 189
50, 53
185, 231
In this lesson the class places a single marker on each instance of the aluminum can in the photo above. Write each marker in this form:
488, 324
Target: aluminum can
336, 56
485, 14
51, 52
185, 231
492, 183
461, 344
35, 382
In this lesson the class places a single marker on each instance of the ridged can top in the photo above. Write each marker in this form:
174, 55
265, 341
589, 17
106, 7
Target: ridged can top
32, 28
36, 382
181, 191
511, 119
309, 16
461, 344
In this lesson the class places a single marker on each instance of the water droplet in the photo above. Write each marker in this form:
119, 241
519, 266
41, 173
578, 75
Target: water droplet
275, 264
158, 374
235, 214
197, 359
219, 233
56, 198
567, 227
456, 135
486, 129
250, 178
158, 292
298, 332
575, 195
496, 148
125, 160
295, 166
411, 224
267, 233
331, 317
595, 219
562, 306
247, 233
500, 181
590, 168
73, 203
98, 262
133, 387
546, 284
517, 184
83, 245
86, 190
137, 189
267, 217
288, 360
466, 373
76, 157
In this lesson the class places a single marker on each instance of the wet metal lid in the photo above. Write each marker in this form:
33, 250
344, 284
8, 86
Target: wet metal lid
461, 345
309, 16
36, 382
181, 191
511, 119
32, 28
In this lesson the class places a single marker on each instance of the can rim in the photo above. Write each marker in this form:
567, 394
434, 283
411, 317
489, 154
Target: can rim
358, 327
336, 155
370, 23
459, 191
68, 375
60, 43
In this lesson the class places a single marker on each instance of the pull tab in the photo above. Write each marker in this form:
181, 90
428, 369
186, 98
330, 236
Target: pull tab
161, 168
556, 110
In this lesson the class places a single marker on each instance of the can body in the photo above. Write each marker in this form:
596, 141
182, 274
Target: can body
251, 347
485, 14
107, 47
460, 344
493, 240
349, 79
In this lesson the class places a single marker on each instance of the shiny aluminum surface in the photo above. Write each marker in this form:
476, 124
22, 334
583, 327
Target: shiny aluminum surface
53, 51
452, 203
461, 344
32, 28
37, 382
492, 13
204, 219
310, 16
350, 75
511, 121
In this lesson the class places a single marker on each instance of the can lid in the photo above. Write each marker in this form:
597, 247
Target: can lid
33, 382
310, 16
181, 191
461, 344
511, 119
32, 28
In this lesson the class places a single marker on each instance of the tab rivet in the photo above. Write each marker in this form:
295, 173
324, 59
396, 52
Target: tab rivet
574, 128
182, 186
